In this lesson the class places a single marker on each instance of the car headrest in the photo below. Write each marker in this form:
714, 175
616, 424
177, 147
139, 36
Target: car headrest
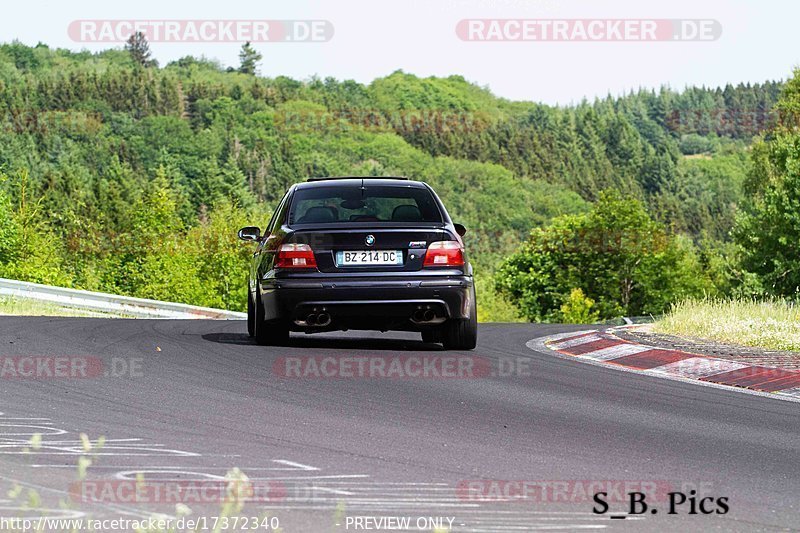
406, 213
317, 214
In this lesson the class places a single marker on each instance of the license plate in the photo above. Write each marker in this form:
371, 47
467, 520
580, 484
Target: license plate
369, 258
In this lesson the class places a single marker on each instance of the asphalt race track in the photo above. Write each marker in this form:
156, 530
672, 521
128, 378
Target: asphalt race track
202, 398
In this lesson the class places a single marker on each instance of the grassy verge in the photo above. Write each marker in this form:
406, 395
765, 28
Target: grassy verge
764, 324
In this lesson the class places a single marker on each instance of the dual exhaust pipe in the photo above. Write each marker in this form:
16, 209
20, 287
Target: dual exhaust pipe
321, 319
423, 315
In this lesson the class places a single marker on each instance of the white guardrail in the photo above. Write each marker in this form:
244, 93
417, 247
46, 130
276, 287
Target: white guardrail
111, 303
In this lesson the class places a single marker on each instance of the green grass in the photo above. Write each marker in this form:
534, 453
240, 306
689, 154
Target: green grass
765, 324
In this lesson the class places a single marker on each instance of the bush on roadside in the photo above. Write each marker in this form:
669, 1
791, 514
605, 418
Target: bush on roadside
620, 258
577, 309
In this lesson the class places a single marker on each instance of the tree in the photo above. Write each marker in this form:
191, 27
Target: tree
769, 229
9, 229
620, 258
28, 250
248, 59
139, 50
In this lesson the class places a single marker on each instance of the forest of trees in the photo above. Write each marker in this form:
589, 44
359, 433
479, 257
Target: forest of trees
119, 175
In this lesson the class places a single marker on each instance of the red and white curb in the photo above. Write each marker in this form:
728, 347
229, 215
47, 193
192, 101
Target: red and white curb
605, 348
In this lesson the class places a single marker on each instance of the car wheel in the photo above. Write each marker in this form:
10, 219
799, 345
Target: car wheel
251, 316
275, 333
462, 334
431, 335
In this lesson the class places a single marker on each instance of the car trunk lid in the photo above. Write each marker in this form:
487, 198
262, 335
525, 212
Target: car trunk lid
369, 244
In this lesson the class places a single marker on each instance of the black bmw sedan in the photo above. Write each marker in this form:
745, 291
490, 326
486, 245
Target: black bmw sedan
361, 253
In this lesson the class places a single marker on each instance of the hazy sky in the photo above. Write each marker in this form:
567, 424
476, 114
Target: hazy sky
759, 41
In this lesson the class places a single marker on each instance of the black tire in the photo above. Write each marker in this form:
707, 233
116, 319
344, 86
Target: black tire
274, 333
251, 316
431, 335
462, 334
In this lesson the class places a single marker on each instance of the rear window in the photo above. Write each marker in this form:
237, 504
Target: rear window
380, 204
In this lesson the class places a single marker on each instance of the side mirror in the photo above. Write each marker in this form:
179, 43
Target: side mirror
250, 233
461, 230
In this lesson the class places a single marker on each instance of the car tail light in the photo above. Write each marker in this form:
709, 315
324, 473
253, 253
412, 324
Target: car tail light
444, 253
292, 255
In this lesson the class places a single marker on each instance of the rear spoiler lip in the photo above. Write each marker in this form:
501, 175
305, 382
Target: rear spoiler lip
370, 226
362, 178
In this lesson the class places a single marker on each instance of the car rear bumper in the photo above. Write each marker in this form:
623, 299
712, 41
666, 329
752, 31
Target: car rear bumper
368, 303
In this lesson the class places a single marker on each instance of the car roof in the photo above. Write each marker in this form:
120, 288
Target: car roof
357, 181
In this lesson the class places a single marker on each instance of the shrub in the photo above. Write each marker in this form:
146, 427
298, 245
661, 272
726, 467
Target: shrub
577, 309
623, 260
